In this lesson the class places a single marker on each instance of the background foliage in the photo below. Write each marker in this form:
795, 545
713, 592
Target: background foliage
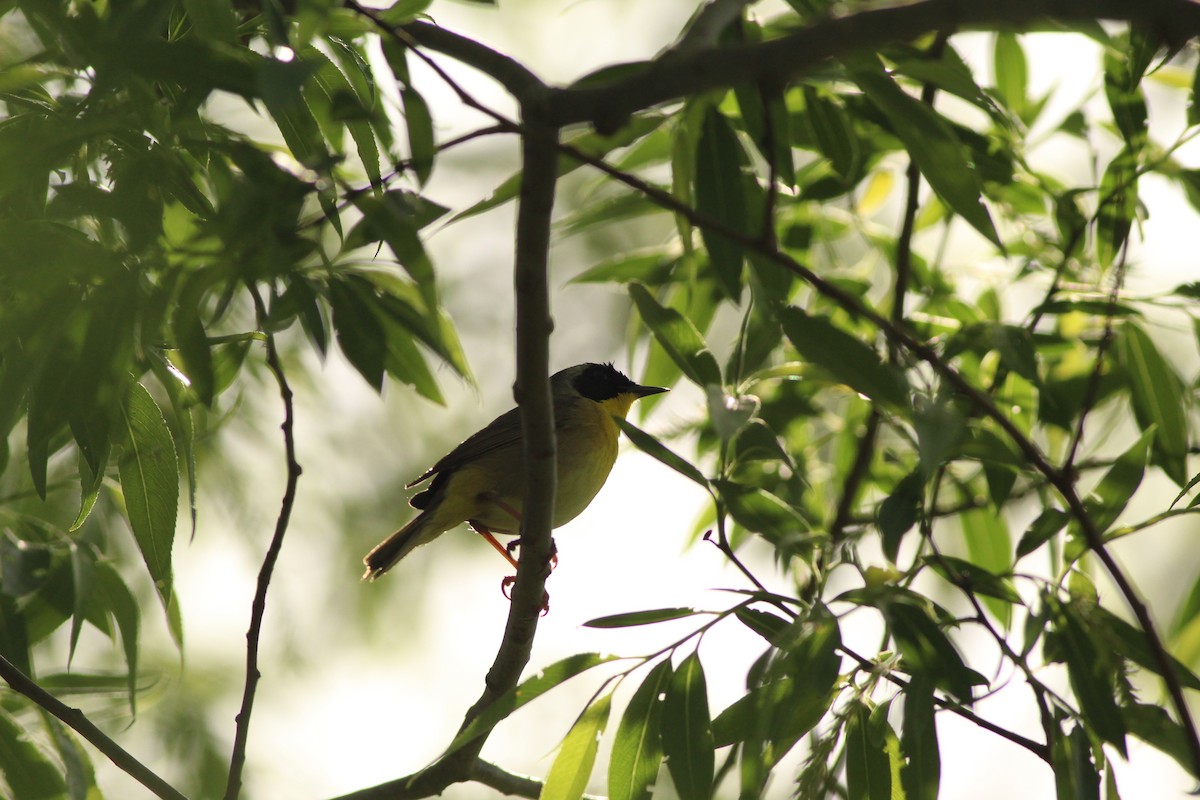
928, 378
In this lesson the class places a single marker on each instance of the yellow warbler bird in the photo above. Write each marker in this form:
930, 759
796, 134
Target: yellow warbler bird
482, 482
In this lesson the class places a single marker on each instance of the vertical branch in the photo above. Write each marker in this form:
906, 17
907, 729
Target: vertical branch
237, 760
533, 326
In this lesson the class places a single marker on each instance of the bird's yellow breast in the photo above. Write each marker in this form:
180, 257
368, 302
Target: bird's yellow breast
587, 449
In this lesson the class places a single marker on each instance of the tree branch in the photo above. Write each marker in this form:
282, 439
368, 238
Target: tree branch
258, 607
74, 719
681, 75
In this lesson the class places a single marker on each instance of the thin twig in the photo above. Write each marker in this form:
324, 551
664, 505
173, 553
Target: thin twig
75, 719
237, 760
1038, 749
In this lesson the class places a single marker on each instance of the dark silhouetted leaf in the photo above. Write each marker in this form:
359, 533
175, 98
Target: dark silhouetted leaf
720, 194
634, 618
687, 737
677, 336
844, 357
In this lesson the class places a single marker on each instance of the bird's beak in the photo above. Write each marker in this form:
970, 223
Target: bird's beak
645, 391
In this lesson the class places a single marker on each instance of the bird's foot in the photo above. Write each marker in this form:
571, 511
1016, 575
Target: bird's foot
506, 590
552, 562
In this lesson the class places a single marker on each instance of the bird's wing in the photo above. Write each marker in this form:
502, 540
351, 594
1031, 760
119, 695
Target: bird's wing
503, 431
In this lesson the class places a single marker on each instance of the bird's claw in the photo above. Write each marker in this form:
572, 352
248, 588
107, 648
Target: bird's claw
506, 590
515, 545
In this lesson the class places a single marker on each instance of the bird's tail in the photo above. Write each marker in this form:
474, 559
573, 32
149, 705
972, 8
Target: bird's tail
385, 554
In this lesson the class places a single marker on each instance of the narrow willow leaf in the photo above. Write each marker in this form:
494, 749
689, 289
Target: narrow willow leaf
359, 333
989, 545
844, 357
119, 601
899, 512
932, 144
637, 749
687, 737
212, 19
1090, 675
1158, 400
149, 476
1012, 78
832, 131
678, 337
720, 194
921, 774
868, 763
1048, 523
419, 123
927, 650
1154, 726
656, 449
1130, 642
572, 767
1112, 494
1118, 206
83, 569
79, 774
760, 511
973, 578
530, 689
29, 774
635, 618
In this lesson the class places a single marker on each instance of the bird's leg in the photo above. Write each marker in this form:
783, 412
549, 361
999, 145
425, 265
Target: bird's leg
490, 539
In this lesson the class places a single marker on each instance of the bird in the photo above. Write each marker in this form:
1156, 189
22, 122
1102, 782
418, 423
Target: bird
481, 481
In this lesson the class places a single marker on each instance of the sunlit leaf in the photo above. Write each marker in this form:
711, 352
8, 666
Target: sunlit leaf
528, 690
150, 483
1158, 399
677, 336
634, 618
569, 774
637, 749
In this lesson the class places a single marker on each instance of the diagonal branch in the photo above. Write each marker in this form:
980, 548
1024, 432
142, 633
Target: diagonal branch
75, 719
237, 760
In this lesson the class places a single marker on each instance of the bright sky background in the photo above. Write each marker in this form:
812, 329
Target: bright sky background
350, 713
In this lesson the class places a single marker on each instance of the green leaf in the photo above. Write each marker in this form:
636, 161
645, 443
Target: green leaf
1130, 642
29, 774
921, 774
678, 337
572, 767
933, 145
847, 359
79, 775
928, 651
1012, 79
687, 737
634, 618
279, 84
720, 194
419, 124
899, 512
150, 483
212, 19
1118, 206
637, 749
656, 449
650, 268
115, 596
1090, 674
1112, 494
1158, 400
359, 332
1048, 523
83, 567
871, 753
833, 132
759, 511
529, 690
973, 578
989, 545
1154, 726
